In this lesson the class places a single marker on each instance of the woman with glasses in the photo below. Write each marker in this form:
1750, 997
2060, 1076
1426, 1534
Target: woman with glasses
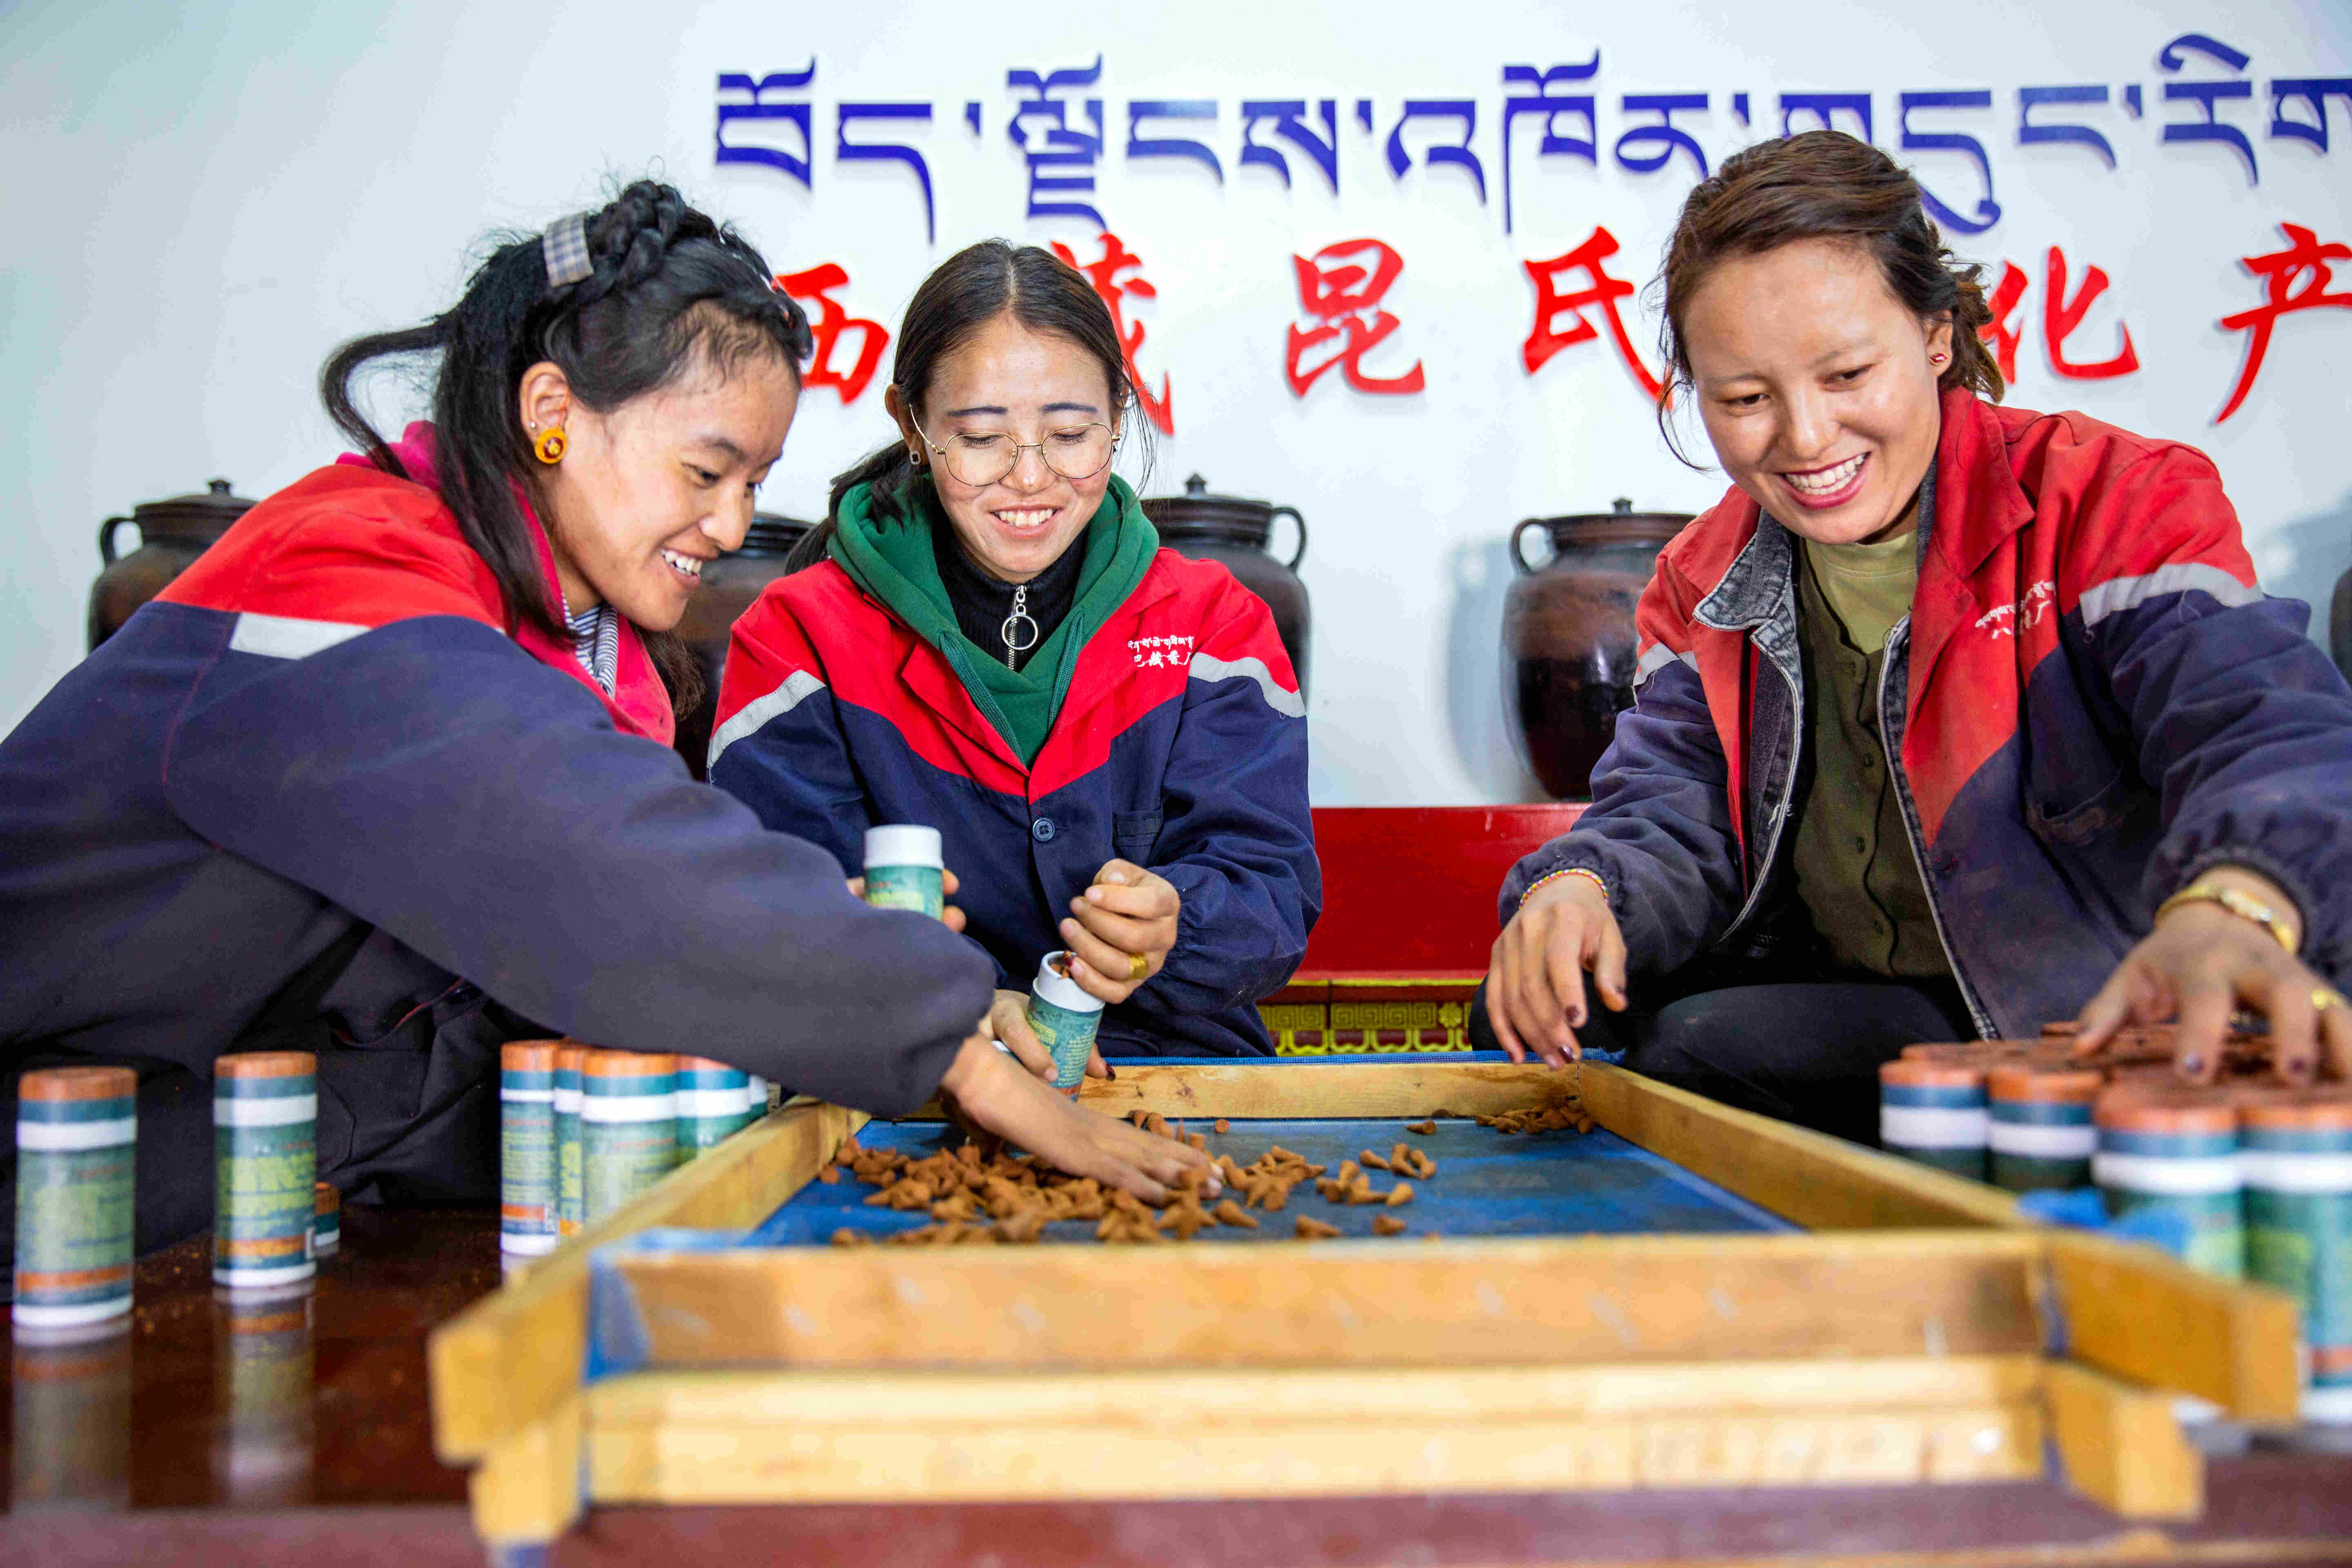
990, 642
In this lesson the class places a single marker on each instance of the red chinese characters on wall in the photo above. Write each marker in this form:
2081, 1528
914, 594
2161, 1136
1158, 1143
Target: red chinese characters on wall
2304, 261
1342, 287
2060, 318
1549, 334
1104, 273
2003, 332
832, 325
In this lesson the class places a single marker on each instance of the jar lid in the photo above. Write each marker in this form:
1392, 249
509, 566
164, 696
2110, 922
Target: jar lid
214, 507
54, 1085
1197, 505
1620, 524
903, 844
2281, 1109
2062, 1085
266, 1064
1054, 984
2164, 1108
1914, 1074
627, 1064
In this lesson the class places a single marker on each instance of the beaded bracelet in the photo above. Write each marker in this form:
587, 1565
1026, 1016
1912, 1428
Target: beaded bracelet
1591, 877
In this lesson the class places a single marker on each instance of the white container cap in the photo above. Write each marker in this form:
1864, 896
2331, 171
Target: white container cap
902, 844
1062, 991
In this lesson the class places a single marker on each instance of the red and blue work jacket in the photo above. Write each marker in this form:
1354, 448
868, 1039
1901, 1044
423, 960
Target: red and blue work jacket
2091, 700
316, 794
1180, 746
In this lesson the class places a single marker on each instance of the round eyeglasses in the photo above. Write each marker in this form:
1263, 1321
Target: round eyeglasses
982, 457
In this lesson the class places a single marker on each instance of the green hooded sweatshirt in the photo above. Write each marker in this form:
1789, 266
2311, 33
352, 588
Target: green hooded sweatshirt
891, 559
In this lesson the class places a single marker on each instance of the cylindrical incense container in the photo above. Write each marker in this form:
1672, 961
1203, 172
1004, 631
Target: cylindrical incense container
2174, 1151
326, 1220
527, 1147
1064, 1018
76, 1130
571, 1190
2295, 1151
265, 1146
2041, 1134
628, 1126
903, 870
1933, 1112
714, 1103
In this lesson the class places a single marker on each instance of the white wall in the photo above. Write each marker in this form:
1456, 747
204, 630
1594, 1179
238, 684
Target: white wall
199, 202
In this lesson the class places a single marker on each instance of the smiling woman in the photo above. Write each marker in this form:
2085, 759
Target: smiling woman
1108, 736
1940, 711
386, 776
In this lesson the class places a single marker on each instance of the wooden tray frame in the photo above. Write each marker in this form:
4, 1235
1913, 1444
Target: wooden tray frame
1902, 1338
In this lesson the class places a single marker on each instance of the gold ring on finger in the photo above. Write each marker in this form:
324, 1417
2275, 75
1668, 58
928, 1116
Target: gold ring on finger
2322, 999
1138, 966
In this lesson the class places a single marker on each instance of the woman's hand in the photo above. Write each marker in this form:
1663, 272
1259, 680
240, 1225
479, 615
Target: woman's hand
992, 1092
2201, 965
1535, 986
951, 917
1008, 1021
1128, 913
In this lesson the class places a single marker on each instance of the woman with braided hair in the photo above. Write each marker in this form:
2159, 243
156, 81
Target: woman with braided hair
386, 774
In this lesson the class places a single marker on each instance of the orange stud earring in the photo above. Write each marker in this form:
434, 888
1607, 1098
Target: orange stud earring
550, 445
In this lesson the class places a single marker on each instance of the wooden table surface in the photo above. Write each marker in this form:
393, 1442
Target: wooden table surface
204, 1449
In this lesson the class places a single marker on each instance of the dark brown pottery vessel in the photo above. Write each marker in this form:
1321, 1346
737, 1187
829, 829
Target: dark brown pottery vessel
1568, 638
1234, 532
729, 586
172, 534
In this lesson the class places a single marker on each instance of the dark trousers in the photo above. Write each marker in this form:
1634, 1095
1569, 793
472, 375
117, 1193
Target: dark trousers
1806, 1050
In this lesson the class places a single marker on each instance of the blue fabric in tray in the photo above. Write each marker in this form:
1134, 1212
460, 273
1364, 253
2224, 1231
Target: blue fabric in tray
1488, 1184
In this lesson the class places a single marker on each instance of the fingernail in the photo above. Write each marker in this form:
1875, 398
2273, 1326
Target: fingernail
1094, 896
1109, 1071
1577, 1018
2191, 1066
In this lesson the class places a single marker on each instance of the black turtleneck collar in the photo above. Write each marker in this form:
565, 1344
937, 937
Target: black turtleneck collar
983, 604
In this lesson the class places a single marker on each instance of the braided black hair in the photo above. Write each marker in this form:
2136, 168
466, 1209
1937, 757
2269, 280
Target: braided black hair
668, 291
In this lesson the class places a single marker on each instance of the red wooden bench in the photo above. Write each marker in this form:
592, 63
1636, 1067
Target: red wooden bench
1408, 917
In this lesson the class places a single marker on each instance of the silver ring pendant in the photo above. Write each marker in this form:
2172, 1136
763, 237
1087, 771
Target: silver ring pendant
1019, 617
1012, 646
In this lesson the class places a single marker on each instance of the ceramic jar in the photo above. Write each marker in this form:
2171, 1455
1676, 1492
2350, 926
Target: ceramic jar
1567, 637
1237, 533
172, 534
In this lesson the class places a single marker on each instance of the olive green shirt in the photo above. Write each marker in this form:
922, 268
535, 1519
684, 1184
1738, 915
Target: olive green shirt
1856, 870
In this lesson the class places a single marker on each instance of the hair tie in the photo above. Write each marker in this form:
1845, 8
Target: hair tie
565, 249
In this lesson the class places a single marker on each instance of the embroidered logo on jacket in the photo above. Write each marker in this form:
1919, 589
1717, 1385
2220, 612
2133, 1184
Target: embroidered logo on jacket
1159, 652
2006, 620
